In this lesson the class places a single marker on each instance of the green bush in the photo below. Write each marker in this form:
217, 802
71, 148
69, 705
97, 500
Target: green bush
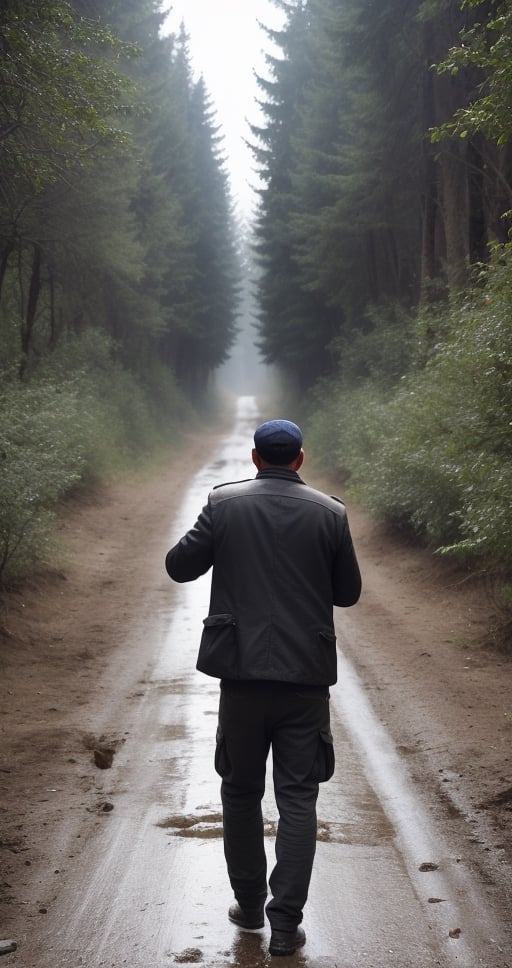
41, 458
411, 479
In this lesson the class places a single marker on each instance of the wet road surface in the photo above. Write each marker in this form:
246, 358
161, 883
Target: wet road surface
152, 890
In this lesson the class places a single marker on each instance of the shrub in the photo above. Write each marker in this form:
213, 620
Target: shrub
41, 458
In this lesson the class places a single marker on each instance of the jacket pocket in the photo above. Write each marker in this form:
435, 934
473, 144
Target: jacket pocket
327, 637
222, 764
218, 647
323, 767
327, 656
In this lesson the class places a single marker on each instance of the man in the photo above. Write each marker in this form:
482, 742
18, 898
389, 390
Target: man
282, 556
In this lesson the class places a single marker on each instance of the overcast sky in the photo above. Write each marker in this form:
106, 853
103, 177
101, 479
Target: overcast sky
226, 46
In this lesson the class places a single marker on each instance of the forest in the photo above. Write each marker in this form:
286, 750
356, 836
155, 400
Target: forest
380, 255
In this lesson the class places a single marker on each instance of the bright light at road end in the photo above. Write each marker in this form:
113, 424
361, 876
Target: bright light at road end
228, 47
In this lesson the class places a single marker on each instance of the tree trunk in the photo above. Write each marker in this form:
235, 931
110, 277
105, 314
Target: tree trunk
443, 94
454, 204
33, 296
432, 239
478, 236
429, 263
4, 261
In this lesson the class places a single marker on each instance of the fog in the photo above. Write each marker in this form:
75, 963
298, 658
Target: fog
245, 374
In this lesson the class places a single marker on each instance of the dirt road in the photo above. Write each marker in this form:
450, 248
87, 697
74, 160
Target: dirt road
110, 835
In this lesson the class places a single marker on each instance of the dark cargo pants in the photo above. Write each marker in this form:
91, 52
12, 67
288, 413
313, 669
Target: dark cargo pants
294, 722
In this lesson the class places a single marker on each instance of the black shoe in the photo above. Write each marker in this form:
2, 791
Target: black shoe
249, 918
286, 942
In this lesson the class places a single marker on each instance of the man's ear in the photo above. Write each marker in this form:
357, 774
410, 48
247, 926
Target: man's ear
298, 461
256, 459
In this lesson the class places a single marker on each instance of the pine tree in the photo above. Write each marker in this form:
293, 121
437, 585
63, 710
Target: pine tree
288, 313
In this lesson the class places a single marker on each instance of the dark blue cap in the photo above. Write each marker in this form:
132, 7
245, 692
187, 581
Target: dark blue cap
278, 441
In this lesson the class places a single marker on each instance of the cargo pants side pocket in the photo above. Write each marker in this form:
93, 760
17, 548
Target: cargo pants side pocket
323, 767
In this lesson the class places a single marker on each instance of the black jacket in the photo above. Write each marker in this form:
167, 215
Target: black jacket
282, 556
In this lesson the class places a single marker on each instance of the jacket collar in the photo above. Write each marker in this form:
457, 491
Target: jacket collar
281, 473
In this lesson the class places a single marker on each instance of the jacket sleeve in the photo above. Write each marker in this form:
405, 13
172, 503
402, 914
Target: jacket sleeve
192, 556
346, 579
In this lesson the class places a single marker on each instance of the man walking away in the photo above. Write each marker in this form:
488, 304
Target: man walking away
282, 556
